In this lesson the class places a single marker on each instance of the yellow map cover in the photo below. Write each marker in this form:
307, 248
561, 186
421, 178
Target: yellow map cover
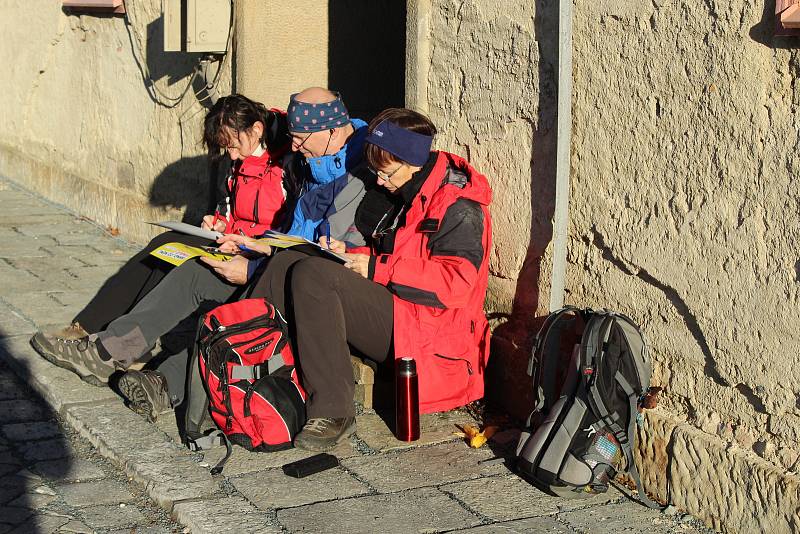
177, 253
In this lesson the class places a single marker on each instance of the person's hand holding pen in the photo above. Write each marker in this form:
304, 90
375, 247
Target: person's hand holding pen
332, 244
213, 222
237, 243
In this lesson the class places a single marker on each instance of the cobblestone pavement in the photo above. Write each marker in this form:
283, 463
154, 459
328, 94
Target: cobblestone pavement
51, 480
52, 261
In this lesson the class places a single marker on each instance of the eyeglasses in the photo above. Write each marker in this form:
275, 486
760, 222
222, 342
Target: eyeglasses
303, 142
387, 177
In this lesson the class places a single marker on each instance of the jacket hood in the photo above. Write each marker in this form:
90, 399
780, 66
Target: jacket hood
457, 170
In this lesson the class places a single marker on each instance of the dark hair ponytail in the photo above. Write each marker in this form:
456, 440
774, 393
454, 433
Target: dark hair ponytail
239, 113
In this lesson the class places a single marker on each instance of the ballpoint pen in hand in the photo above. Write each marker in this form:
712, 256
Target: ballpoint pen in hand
328, 234
243, 248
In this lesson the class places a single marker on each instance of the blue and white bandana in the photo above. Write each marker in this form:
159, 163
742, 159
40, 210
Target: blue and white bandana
305, 117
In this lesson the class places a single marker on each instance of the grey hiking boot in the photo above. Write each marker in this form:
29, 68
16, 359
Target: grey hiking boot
81, 356
322, 434
146, 392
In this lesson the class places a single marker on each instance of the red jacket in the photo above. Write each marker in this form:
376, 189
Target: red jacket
256, 197
439, 294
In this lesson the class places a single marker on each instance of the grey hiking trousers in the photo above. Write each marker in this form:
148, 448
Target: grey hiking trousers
190, 288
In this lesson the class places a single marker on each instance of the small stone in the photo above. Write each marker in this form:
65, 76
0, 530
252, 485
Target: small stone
122, 505
44, 490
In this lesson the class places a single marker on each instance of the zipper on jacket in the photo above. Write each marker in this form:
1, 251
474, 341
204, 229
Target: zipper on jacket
469, 365
255, 208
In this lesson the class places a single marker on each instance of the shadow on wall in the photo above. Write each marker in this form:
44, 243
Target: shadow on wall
190, 184
508, 384
366, 54
32, 442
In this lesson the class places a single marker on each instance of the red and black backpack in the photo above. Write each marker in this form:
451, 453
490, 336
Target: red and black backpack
252, 388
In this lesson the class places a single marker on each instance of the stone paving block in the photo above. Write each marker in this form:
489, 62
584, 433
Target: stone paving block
39, 306
232, 515
77, 469
18, 246
244, 461
423, 466
34, 501
434, 428
31, 431
138, 530
41, 524
623, 518
13, 515
166, 469
12, 411
50, 449
59, 229
43, 268
105, 517
273, 489
58, 387
508, 497
81, 494
73, 300
77, 527
20, 280
86, 278
420, 510
9, 493
13, 323
531, 525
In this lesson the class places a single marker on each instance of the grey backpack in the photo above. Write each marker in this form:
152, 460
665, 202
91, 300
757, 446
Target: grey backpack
590, 369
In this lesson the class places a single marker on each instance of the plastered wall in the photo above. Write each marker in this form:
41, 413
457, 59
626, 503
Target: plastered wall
79, 124
685, 196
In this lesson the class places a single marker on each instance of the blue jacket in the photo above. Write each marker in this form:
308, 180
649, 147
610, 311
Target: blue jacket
329, 177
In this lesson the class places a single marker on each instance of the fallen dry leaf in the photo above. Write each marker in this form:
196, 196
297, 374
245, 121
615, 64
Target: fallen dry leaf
473, 436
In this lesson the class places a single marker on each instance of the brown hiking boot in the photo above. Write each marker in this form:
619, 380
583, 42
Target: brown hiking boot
146, 392
81, 356
322, 434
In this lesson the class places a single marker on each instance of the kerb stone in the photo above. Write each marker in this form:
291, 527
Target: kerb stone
221, 516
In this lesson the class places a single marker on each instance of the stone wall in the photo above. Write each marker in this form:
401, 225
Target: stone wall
81, 126
683, 212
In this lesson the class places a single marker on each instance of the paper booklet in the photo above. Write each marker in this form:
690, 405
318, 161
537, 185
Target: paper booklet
190, 229
178, 253
279, 240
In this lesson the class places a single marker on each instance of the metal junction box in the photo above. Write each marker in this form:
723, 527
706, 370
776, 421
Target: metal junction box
196, 25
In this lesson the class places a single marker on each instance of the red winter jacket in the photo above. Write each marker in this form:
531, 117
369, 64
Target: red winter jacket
256, 197
439, 280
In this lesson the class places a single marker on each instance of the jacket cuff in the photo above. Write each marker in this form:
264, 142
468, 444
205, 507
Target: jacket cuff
379, 266
252, 266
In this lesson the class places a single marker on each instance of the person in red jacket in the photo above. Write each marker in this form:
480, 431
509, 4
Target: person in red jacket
417, 290
251, 200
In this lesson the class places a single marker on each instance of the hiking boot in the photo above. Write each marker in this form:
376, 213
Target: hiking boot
322, 434
81, 356
146, 392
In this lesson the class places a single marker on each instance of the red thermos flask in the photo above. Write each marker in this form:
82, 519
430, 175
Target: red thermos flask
407, 403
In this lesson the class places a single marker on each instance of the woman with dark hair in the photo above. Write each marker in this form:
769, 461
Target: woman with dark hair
251, 200
416, 290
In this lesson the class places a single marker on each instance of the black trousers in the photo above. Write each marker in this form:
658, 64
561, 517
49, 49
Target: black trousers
330, 309
133, 281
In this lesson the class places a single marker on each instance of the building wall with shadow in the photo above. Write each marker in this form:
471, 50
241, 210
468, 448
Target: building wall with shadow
91, 115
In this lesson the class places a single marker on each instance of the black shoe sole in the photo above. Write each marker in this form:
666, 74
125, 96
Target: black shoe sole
137, 398
44, 353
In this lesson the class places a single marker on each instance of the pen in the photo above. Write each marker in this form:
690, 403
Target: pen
243, 248
328, 233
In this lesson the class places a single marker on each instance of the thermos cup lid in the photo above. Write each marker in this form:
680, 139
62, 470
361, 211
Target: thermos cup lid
407, 366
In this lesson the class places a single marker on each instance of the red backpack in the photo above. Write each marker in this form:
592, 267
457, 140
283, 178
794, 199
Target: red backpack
247, 368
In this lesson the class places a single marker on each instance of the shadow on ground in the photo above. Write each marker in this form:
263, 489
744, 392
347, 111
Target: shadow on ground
32, 445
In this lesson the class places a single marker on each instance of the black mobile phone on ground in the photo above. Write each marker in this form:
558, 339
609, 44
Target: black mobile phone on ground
309, 466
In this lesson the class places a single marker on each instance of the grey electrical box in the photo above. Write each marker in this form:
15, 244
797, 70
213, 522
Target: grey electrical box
196, 25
